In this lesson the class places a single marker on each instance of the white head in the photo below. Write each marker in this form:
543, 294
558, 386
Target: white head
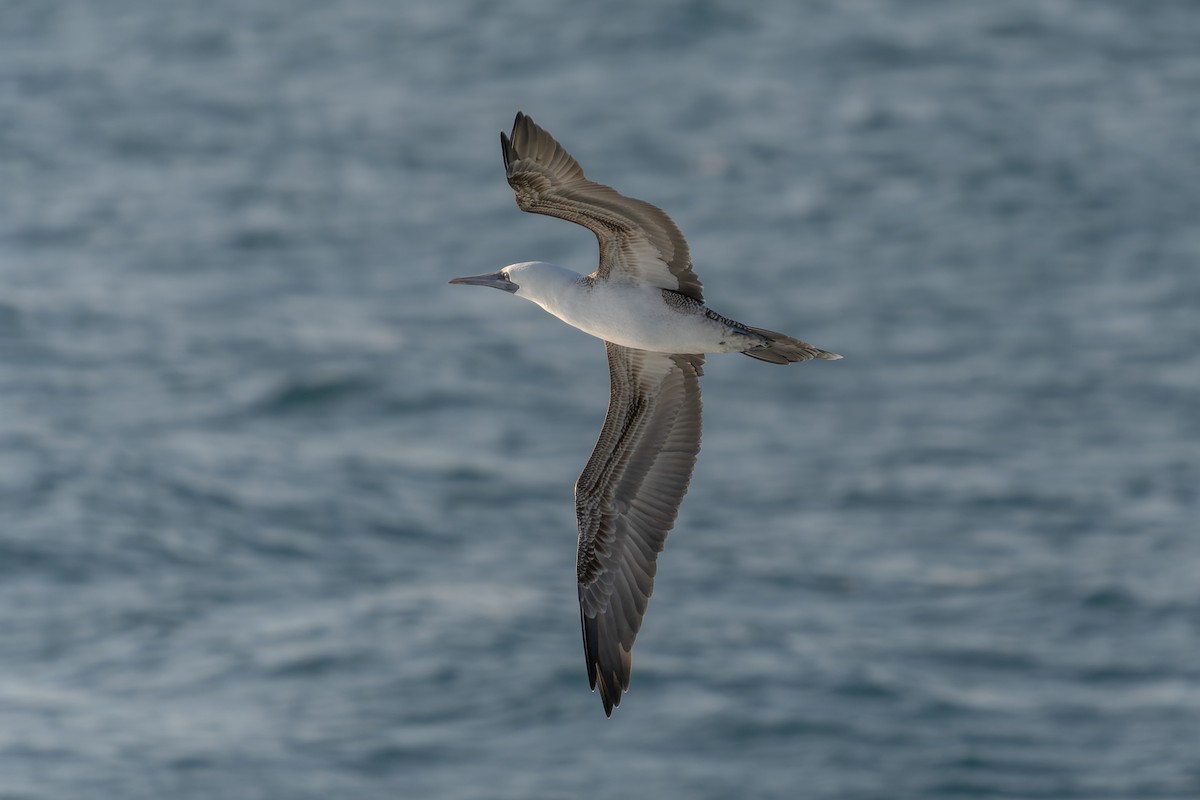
534, 280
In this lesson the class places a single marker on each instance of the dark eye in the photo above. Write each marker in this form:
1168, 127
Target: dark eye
505, 276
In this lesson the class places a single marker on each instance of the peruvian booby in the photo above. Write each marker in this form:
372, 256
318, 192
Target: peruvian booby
646, 304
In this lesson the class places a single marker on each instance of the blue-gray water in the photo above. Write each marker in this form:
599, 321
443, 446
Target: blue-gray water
282, 515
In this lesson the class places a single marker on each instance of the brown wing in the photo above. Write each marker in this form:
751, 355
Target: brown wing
626, 501
638, 241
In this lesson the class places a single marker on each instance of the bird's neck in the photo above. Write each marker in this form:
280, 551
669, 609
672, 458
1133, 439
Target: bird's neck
553, 287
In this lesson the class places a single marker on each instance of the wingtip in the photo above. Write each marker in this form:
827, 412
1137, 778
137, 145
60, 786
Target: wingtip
609, 683
605, 696
521, 124
506, 150
610, 687
610, 699
525, 132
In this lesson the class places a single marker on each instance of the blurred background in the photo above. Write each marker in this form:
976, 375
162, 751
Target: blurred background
282, 515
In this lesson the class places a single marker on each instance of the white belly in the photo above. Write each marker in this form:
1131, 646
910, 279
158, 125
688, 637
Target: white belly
638, 317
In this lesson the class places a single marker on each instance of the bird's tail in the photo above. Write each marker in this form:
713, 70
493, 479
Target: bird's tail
780, 349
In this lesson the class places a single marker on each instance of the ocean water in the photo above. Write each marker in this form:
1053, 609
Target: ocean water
282, 515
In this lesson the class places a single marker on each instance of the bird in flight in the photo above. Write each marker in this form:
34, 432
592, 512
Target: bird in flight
646, 304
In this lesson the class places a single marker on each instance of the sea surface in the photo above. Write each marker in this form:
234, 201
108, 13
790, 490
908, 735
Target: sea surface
283, 515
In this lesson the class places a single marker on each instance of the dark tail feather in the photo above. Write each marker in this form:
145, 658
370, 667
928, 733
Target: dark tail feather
781, 349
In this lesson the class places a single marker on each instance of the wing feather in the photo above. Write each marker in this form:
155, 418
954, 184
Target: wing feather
627, 499
638, 241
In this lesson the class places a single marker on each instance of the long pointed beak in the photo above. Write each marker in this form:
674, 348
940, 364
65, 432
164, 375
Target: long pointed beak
495, 279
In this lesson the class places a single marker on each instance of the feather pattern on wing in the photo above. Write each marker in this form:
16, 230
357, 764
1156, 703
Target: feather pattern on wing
627, 499
638, 241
